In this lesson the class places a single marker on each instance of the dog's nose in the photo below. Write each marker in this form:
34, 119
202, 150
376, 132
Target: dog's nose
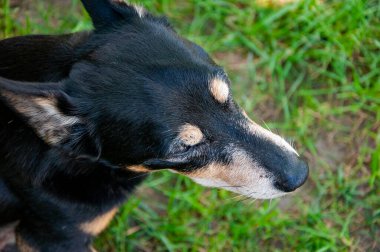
292, 177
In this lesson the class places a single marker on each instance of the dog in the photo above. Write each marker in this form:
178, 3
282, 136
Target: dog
84, 115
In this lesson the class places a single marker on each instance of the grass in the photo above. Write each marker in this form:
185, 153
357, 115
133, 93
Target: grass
310, 70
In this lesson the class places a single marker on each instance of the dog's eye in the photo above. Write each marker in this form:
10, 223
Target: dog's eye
183, 147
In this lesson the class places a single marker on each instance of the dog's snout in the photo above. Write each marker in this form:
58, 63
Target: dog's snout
293, 176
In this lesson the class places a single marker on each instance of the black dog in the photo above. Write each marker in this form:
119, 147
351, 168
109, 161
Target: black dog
83, 115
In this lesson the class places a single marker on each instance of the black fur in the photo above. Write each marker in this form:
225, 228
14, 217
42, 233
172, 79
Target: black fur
130, 85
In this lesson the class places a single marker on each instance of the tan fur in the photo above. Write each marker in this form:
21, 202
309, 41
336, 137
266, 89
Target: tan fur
44, 117
97, 225
23, 246
243, 176
7, 235
190, 134
238, 172
137, 168
219, 90
92, 249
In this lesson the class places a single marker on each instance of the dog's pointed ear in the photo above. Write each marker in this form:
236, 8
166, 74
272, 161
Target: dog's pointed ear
51, 113
105, 13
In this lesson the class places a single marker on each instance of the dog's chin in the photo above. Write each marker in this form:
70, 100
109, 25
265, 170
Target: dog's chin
262, 190
270, 193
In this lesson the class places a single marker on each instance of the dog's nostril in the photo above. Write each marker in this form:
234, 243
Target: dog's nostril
293, 177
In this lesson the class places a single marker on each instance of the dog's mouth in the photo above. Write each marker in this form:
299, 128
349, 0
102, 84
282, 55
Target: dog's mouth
242, 175
246, 177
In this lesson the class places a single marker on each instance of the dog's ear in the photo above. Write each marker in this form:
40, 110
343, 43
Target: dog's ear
105, 13
51, 113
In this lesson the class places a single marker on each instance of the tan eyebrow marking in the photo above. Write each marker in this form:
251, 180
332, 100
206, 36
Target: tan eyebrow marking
190, 134
219, 90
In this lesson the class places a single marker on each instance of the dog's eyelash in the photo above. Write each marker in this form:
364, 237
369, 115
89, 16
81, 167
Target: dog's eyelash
188, 147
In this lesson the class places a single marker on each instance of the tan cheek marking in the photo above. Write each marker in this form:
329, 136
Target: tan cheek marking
243, 176
226, 173
219, 90
241, 171
138, 168
97, 225
190, 135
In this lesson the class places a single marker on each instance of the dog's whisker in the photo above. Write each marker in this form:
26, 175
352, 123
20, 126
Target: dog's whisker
252, 202
266, 125
247, 198
230, 186
236, 197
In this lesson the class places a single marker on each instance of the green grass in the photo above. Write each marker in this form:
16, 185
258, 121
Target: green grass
310, 71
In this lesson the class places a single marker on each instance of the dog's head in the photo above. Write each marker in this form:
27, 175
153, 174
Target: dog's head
153, 100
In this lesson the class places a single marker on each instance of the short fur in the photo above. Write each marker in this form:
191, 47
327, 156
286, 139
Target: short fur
84, 115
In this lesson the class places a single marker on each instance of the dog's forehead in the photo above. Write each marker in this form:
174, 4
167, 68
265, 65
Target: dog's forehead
171, 75
169, 60
149, 42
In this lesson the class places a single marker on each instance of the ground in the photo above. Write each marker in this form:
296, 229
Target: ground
309, 70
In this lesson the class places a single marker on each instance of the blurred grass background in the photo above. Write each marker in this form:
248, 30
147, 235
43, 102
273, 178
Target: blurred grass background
309, 70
